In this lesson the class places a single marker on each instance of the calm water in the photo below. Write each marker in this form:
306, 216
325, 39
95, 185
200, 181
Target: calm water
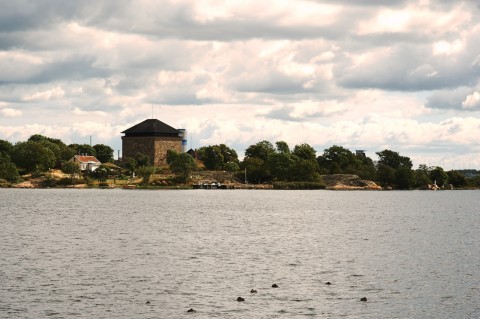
105, 253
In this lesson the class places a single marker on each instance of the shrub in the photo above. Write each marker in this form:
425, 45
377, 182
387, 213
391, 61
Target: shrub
49, 181
66, 181
298, 185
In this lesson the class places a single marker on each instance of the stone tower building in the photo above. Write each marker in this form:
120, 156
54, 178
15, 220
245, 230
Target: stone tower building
152, 138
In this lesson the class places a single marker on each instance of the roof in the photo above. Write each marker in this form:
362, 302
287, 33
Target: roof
87, 159
152, 127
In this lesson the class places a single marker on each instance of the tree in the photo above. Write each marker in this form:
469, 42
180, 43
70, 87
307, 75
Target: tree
255, 169
280, 166
304, 169
393, 159
304, 151
256, 161
338, 160
61, 151
83, 149
72, 169
385, 175
216, 157
8, 171
457, 179
404, 177
439, 176
282, 147
145, 172
6, 147
212, 157
104, 153
32, 156
232, 167
183, 165
422, 178
262, 150
305, 166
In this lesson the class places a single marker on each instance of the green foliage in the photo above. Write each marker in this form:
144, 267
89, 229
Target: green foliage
338, 160
282, 147
257, 170
393, 159
265, 163
298, 185
385, 175
140, 159
8, 171
439, 176
48, 181
33, 156
422, 178
216, 157
72, 169
104, 153
6, 147
280, 166
83, 149
404, 178
183, 165
101, 173
457, 179
262, 150
304, 170
66, 181
145, 172
305, 152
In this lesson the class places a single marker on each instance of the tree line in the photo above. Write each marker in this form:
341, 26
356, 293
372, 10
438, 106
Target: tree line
268, 163
40, 153
264, 162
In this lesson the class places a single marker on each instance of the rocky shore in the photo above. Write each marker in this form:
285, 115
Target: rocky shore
348, 182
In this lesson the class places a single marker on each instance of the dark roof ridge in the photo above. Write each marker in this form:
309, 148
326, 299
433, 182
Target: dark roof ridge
151, 126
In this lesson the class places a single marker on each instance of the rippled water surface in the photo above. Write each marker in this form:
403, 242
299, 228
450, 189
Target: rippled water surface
156, 254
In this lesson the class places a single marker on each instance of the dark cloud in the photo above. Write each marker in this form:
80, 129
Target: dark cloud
448, 99
409, 68
70, 68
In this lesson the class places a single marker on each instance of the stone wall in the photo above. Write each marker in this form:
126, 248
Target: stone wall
154, 147
162, 145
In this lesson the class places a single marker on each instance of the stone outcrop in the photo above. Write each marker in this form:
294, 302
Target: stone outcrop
348, 182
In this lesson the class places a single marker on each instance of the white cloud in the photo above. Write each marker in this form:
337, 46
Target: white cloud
472, 101
54, 93
9, 112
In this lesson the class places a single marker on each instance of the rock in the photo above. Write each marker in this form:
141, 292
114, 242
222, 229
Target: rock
274, 286
253, 291
328, 283
240, 299
191, 310
348, 182
363, 299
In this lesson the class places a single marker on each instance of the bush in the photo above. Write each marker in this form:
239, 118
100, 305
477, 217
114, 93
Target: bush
298, 185
49, 181
66, 181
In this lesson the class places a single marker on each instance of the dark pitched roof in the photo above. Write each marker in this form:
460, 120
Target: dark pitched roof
151, 127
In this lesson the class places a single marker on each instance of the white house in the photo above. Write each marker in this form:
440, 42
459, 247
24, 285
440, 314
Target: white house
86, 162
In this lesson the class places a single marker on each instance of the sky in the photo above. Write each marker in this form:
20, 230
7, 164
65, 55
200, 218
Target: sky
366, 75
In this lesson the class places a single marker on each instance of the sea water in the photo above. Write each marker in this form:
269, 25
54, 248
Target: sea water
69, 253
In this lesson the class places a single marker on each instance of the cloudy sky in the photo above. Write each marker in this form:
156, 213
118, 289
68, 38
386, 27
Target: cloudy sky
363, 74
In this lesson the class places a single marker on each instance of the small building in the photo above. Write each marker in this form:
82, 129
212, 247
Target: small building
86, 162
152, 138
